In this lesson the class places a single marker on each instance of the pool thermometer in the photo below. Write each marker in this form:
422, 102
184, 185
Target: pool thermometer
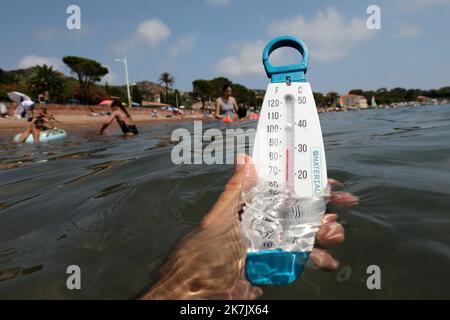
283, 211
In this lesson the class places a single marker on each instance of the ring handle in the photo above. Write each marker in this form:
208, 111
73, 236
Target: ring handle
289, 73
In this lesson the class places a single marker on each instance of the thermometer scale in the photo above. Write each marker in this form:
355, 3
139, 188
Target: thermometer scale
284, 210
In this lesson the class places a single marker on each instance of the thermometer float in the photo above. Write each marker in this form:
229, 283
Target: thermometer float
284, 210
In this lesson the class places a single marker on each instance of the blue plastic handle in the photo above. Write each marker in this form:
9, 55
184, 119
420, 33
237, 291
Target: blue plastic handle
289, 73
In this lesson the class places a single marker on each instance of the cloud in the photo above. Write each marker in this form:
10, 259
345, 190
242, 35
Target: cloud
329, 35
111, 77
248, 60
183, 44
34, 60
153, 31
218, 3
150, 33
407, 31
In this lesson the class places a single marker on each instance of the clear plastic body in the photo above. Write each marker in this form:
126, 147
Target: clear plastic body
281, 222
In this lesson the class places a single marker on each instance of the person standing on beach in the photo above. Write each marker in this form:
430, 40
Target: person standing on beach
123, 118
226, 106
3, 110
24, 108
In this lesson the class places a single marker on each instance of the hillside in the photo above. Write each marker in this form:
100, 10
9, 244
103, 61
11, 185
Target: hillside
149, 90
16, 80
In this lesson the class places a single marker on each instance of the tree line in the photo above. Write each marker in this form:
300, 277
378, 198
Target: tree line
209, 90
44, 79
385, 96
84, 86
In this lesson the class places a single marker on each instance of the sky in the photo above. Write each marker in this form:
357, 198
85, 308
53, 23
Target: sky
203, 39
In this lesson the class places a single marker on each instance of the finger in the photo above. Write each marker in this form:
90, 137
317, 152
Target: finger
229, 201
330, 234
255, 293
241, 161
344, 199
329, 217
241, 170
245, 162
324, 260
335, 183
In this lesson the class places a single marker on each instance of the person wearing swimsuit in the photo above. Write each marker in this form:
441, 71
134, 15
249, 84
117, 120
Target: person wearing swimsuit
226, 106
36, 124
123, 118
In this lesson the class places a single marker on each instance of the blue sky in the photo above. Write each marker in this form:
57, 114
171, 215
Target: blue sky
207, 38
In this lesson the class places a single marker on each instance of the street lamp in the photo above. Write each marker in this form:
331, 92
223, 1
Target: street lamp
124, 61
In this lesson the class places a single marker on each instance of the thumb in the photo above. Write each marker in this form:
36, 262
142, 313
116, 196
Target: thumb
230, 201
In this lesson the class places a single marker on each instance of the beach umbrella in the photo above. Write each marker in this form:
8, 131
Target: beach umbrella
106, 103
17, 96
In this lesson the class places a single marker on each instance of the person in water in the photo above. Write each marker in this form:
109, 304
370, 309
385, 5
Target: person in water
242, 112
123, 118
209, 263
39, 123
226, 106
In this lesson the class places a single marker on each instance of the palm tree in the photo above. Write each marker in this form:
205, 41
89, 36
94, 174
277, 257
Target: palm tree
167, 80
46, 80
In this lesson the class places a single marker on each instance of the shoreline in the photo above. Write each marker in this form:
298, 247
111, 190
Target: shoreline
70, 121
80, 116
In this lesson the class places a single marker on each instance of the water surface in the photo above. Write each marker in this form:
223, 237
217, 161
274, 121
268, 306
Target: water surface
117, 207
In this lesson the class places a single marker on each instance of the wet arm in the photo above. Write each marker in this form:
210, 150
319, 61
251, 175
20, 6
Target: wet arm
108, 123
52, 118
47, 123
235, 106
217, 113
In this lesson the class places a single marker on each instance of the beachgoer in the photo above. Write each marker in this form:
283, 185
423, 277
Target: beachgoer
25, 107
123, 118
226, 106
3, 110
216, 249
41, 99
93, 113
242, 112
37, 124
50, 117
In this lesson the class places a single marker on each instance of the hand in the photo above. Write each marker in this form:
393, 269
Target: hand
209, 263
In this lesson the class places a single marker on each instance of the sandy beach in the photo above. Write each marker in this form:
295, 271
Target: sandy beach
76, 116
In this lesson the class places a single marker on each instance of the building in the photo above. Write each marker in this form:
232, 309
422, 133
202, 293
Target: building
353, 101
